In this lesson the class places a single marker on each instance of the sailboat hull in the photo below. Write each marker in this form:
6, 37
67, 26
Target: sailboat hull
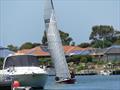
67, 81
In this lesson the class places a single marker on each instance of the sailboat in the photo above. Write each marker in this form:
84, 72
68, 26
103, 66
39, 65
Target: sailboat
55, 47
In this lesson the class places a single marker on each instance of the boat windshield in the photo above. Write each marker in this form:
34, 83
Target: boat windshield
22, 60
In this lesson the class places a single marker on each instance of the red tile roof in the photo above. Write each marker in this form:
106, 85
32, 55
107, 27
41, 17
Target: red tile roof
23, 51
35, 51
68, 49
39, 52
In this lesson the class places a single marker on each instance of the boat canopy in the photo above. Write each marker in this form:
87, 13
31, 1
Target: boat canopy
21, 60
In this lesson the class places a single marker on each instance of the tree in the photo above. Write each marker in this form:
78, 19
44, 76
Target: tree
101, 43
12, 48
36, 44
66, 39
101, 32
103, 36
44, 39
84, 45
73, 44
27, 45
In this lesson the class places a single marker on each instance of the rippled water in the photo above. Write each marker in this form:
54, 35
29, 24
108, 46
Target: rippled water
87, 83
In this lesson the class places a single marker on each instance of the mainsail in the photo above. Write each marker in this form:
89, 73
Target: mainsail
54, 43
47, 12
56, 49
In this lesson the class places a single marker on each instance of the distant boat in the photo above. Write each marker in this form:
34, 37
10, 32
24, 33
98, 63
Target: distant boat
55, 47
23, 68
105, 72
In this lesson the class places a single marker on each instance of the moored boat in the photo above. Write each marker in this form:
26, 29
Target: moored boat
23, 68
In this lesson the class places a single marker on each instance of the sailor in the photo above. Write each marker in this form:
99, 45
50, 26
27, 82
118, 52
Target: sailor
72, 74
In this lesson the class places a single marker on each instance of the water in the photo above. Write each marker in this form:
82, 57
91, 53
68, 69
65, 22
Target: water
87, 83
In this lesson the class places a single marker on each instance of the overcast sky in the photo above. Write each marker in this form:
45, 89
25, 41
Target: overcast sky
22, 20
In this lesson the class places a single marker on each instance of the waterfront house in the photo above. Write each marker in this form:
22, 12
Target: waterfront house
4, 52
37, 51
113, 53
107, 54
82, 51
44, 52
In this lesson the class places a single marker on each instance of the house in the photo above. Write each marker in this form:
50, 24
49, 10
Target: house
4, 52
37, 51
82, 51
113, 53
44, 51
108, 54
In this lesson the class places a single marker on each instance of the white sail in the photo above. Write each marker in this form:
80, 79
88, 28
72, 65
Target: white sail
56, 49
55, 46
47, 12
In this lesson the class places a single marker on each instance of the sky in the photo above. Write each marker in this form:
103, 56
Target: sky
22, 20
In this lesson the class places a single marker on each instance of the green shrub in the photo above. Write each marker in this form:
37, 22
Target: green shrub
80, 67
80, 58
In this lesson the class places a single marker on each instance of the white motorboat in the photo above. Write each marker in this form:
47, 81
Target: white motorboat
105, 72
23, 68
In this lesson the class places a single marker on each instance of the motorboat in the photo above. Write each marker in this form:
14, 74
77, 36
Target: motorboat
105, 72
23, 68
